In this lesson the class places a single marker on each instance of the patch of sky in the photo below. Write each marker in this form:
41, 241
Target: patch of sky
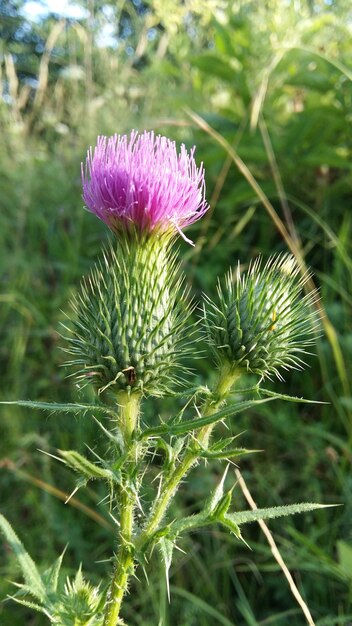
35, 10
151, 34
106, 35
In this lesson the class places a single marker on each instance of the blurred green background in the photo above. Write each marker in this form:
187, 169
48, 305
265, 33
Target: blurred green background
264, 91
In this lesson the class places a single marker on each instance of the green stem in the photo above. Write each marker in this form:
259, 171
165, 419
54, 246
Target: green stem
227, 378
128, 423
128, 414
124, 562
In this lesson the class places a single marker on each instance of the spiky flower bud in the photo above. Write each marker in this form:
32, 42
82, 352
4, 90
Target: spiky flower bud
263, 322
142, 183
78, 603
128, 331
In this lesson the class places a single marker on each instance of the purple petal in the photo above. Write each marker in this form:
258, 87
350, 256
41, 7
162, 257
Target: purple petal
143, 181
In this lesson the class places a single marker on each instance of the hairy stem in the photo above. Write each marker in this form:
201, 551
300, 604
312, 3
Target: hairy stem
124, 567
128, 414
226, 381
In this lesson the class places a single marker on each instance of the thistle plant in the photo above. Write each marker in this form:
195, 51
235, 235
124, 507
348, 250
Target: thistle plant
128, 334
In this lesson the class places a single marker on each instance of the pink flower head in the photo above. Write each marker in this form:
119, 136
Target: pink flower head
142, 181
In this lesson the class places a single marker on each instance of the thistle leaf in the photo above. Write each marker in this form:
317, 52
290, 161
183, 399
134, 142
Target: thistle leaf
80, 464
231, 525
230, 453
116, 436
223, 506
51, 575
171, 452
287, 398
166, 547
55, 407
29, 570
190, 425
34, 606
216, 496
244, 517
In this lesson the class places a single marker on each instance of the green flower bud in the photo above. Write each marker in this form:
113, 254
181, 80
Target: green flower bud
262, 322
78, 603
130, 314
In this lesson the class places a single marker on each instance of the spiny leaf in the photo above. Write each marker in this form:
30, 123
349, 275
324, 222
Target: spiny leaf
51, 575
56, 407
231, 525
188, 426
225, 454
223, 443
115, 436
216, 495
244, 517
35, 607
199, 520
84, 467
283, 396
166, 547
29, 570
191, 522
223, 506
191, 392
171, 452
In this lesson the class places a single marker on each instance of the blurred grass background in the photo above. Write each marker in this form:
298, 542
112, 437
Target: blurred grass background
264, 91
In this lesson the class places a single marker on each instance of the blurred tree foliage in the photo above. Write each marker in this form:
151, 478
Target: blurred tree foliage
270, 81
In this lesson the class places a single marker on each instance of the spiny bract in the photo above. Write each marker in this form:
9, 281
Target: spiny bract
262, 322
130, 314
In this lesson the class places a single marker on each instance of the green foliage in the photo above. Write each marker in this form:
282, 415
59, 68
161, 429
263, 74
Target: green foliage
243, 517
76, 602
189, 425
55, 407
33, 581
88, 470
166, 547
216, 511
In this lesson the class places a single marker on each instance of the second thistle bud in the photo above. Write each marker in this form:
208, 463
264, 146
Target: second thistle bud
130, 314
263, 322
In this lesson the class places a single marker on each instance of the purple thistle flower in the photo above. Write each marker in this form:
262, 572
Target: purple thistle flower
142, 182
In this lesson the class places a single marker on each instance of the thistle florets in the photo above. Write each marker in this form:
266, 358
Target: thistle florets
263, 322
142, 182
